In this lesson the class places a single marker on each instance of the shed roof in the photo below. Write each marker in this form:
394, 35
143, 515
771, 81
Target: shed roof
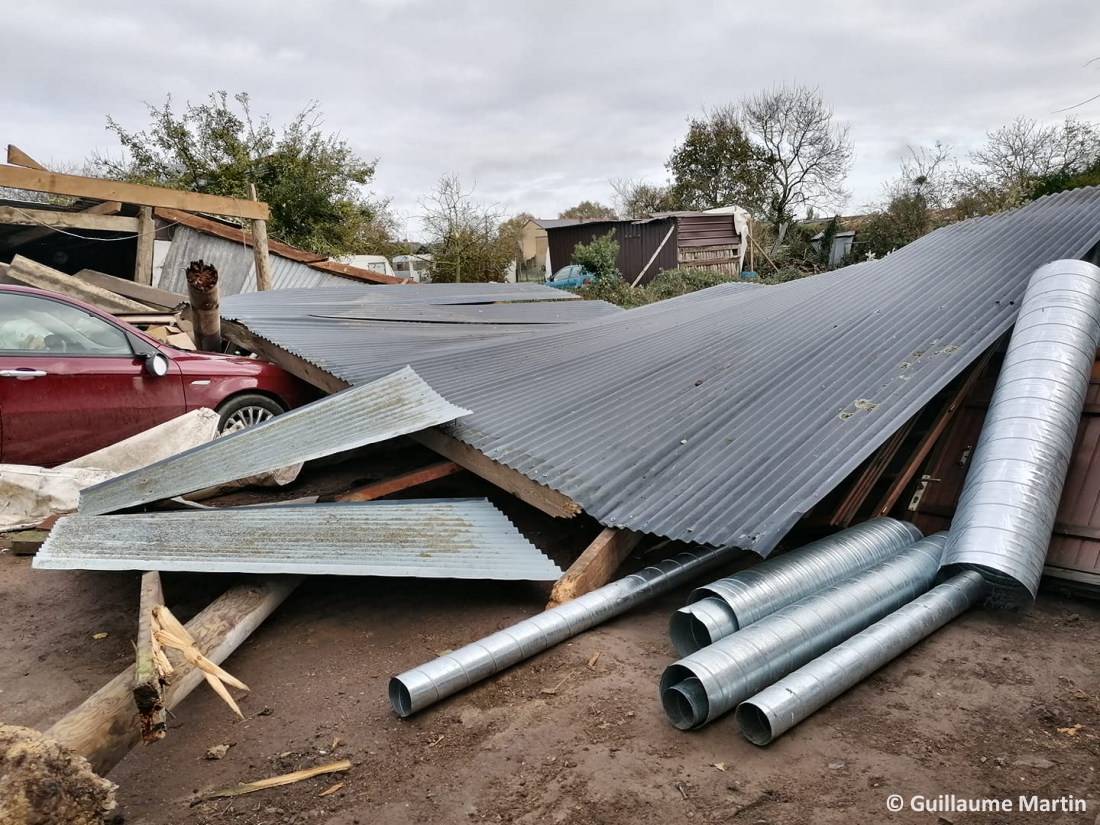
722, 416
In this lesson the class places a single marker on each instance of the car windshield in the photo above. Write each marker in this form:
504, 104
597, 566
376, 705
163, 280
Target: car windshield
29, 323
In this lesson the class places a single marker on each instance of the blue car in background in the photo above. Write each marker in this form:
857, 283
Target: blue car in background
570, 277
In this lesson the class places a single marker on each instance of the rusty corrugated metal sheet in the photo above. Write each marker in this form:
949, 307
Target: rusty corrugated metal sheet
637, 240
706, 230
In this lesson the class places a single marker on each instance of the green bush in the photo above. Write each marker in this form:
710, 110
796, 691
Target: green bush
598, 256
668, 284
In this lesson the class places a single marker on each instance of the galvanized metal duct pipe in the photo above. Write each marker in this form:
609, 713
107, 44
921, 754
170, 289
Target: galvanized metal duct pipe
1006, 512
777, 709
729, 604
420, 687
706, 684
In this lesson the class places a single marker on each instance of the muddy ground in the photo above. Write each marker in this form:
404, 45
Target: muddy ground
992, 706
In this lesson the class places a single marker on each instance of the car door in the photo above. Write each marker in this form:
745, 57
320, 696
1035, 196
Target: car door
70, 382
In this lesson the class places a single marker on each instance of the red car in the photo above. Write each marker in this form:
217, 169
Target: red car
74, 379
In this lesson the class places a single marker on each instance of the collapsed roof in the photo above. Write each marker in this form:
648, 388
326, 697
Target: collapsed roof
722, 416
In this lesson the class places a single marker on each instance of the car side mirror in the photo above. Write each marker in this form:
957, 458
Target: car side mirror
156, 364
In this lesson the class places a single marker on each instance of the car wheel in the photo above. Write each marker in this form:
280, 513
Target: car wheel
244, 411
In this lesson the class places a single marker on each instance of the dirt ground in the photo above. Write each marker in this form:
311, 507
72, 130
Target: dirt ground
994, 705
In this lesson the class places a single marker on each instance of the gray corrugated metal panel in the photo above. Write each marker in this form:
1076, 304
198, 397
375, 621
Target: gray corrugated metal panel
722, 416
395, 405
443, 538
297, 302
236, 265
539, 312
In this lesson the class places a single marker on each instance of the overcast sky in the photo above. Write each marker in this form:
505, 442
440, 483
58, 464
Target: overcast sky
542, 103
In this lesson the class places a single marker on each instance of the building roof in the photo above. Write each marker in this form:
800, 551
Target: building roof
723, 416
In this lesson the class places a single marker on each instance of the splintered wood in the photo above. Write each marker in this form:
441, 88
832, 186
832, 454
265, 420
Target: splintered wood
151, 666
168, 632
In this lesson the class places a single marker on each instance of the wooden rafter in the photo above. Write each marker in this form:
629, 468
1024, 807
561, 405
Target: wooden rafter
596, 565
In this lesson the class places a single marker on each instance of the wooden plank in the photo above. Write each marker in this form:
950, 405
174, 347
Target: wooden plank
1072, 575
139, 292
849, 506
401, 482
143, 256
367, 275
259, 249
237, 234
17, 239
49, 218
17, 157
241, 336
933, 435
41, 276
35, 180
1077, 531
537, 495
595, 566
148, 685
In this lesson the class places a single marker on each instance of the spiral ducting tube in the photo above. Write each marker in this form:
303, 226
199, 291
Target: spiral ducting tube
423, 686
701, 687
778, 708
727, 605
1006, 511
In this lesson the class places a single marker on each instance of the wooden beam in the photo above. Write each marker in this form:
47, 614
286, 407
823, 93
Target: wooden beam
148, 686
41, 276
857, 494
35, 180
537, 495
143, 256
45, 222
401, 482
368, 275
139, 292
241, 336
17, 157
259, 249
595, 566
105, 727
933, 435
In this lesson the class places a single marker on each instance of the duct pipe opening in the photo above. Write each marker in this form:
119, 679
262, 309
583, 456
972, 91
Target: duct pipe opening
754, 723
400, 697
685, 703
701, 624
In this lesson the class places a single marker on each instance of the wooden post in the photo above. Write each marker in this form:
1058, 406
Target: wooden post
143, 257
202, 292
148, 689
259, 248
595, 566
105, 727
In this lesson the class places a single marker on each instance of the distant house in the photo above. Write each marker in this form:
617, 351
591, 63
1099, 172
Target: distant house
715, 240
534, 246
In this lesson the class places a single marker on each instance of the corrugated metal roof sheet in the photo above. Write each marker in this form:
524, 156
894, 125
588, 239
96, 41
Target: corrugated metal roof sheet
441, 538
236, 265
298, 302
723, 416
536, 312
388, 407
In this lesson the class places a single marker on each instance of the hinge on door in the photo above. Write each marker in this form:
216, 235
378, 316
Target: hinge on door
925, 480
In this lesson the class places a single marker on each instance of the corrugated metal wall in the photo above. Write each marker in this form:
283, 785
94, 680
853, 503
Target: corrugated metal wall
637, 242
235, 264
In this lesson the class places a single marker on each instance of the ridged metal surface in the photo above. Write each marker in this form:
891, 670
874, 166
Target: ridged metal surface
727, 605
297, 303
723, 416
395, 405
777, 709
701, 687
438, 538
423, 686
532, 312
236, 265
1006, 511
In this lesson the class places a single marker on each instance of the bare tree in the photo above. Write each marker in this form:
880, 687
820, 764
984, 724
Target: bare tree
635, 199
808, 152
466, 236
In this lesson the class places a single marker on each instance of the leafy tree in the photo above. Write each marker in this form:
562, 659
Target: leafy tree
717, 165
808, 152
598, 256
638, 199
312, 180
589, 211
468, 239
